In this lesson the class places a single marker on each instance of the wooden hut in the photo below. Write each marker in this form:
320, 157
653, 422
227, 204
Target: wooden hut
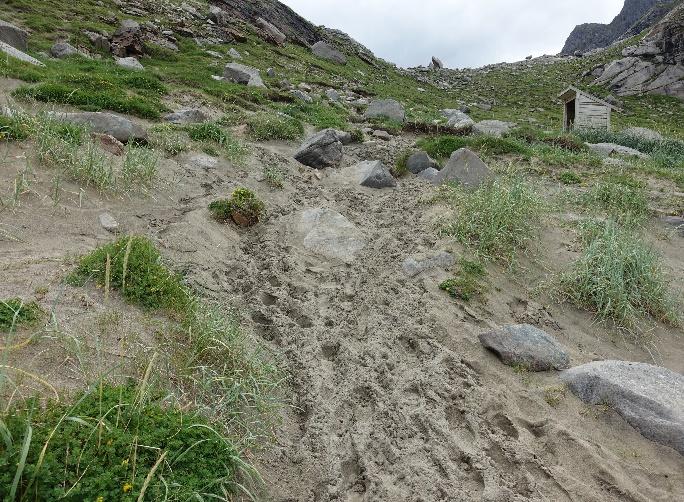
583, 111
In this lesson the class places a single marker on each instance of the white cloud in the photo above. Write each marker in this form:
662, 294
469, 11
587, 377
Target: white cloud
463, 33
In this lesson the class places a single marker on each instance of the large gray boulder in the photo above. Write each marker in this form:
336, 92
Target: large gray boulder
243, 74
465, 168
420, 161
273, 34
328, 233
17, 54
650, 398
130, 63
62, 50
372, 174
326, 51
187, 116
458, 120
607, 149
386, 108
323, 149
496, 128
526, 346
415, 265
13, 35
105, 123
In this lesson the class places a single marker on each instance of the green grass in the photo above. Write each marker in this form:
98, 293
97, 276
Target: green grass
499, 219
621, 197
13, 128
242, 201
441, 147
468, 282
136, 271
14, 313
569, 178
400, 167
264, 126
319, 115
211, 134
169, 139
106, 445
619, 277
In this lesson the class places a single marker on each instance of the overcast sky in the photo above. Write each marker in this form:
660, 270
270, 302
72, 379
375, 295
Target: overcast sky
463, 33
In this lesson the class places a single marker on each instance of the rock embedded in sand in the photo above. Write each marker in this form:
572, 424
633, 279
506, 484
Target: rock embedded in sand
419, 162
650, 398
328, 233
465, 168
429, 174
371, 174
415, 265
527, 346
323, 149
105, 123
109, 223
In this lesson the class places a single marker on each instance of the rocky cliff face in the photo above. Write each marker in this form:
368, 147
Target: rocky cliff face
636, 16
656, 65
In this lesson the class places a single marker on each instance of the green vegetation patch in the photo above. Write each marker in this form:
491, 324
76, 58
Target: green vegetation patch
623, 198
441, 147
114, 444
211, 134
319, 115
468, 282
14, 313
619, 277
244, 207
264, 126
133, 266
13, 128
498, 219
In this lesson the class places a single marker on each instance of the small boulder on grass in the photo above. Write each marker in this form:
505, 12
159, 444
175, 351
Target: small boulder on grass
243, 207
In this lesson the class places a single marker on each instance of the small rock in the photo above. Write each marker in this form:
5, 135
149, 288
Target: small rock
527, 346
677, 222
383, 135
496, 128
466, 168
203, 161
273, 34
459, 121
128, 40
130, 63
234, 53
105, 123
108, 222
429, 174
301, 95
332, 95
323, 149
344, 136
372, 174
386, 108
271, 73
326, 51
109, 143
187, 116
62, 50
303, 86
608, 149
328, 233
420, 161
650, 398
418, 264
242, 74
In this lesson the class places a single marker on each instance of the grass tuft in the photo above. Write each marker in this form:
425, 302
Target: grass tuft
619, 277
15, 313
244, 207
621, 197
468, 282
264, 126
497, 220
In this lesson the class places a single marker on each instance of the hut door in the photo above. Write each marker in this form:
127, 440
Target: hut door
570, 115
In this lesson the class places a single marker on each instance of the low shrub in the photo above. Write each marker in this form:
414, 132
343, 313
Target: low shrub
569, 178
498, 219
15, 313
132, 265
115, 442
264, 126
243, 207
619, 277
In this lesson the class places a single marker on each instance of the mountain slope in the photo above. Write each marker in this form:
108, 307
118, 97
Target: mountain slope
635, 16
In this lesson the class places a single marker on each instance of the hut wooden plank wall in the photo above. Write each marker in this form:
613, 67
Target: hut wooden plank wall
584, 111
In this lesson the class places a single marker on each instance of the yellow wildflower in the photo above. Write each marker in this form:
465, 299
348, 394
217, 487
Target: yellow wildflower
127, 487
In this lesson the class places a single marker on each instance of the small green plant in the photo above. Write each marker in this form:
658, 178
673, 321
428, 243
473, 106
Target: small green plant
357, 135
554, 395
139, 168
468, 282
243, 207
133, 266
13, 128
15, 313
400, 168
619, 277
213, 134
394, 127
120, 442
569, 178
319, 115
274, 176
497, 220
169, 139
622, 197
264, 126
